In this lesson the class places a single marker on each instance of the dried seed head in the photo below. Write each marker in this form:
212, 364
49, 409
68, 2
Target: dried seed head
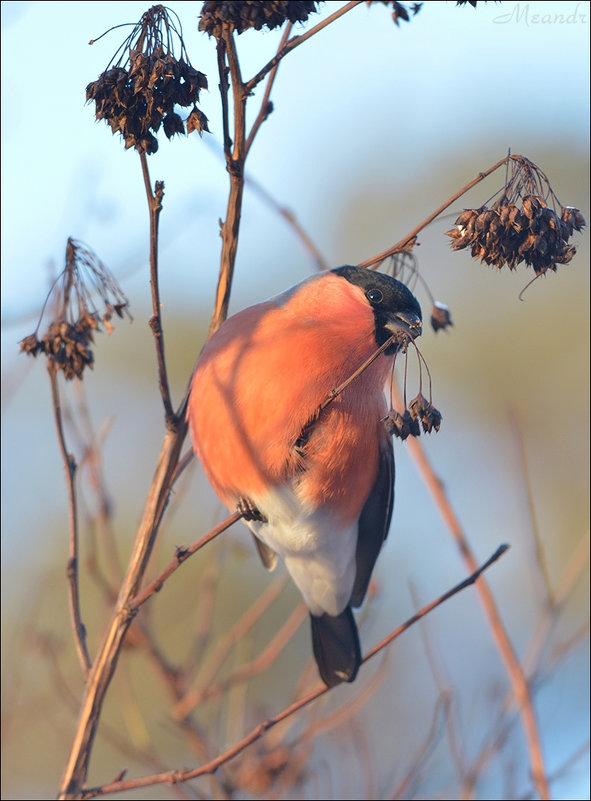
66, 342
520, 226
139, 93
239, 15
401, 425
422, 409
440, 316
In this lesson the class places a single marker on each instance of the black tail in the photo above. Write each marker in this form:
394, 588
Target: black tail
336, 647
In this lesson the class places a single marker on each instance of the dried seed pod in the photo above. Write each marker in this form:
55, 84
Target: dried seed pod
239, 16
440, 316
138, 93
68, 337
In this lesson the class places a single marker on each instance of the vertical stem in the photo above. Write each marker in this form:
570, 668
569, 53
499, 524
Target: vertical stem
155, 207
235, 153
72, 568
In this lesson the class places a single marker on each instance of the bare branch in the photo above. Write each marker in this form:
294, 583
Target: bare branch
294, 42
266, 105
175, 776
180, 556
410, 239
154, 208
72, 569
235, 155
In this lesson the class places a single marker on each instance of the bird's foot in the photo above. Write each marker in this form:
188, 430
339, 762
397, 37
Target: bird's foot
249, 511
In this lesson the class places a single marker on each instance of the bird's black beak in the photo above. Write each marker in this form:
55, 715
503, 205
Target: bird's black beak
408, 322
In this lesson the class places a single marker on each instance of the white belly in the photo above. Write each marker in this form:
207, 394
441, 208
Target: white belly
318, 552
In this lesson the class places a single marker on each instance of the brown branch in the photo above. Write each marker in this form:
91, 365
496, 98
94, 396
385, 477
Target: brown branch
72, 568
294, 42
154, 208
176, 776
334, 393
235, 156
106, 661
180, 556
515, 672
266, 106
91, 445
409, 240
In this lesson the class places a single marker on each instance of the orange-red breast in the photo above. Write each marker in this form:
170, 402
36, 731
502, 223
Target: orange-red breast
318, 487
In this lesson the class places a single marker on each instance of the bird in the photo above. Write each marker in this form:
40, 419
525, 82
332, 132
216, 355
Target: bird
313, 479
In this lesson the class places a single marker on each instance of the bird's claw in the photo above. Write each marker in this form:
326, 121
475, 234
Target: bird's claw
249, 511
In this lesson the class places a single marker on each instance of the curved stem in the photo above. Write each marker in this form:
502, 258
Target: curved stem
72, 569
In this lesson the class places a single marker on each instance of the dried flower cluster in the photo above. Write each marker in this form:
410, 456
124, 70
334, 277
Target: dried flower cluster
420, 413
139, 92
243, 14
400, 11
67, 340
521, 225
440, 316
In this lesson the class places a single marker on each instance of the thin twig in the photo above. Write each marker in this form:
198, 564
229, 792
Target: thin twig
235, 155
409, 240
180, 556
175, 776
515, 672
72, 568
106, 661
266, 106
294, 42
334, 393
154, 208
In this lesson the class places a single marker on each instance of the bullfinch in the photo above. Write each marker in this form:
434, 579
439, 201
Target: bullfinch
316, 485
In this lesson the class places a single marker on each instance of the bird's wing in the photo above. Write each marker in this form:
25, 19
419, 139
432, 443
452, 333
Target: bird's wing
374, 521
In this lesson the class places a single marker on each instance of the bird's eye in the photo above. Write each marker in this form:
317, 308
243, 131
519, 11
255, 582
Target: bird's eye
374, 295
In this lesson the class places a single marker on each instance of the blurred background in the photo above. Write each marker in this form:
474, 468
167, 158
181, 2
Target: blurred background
374, 126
